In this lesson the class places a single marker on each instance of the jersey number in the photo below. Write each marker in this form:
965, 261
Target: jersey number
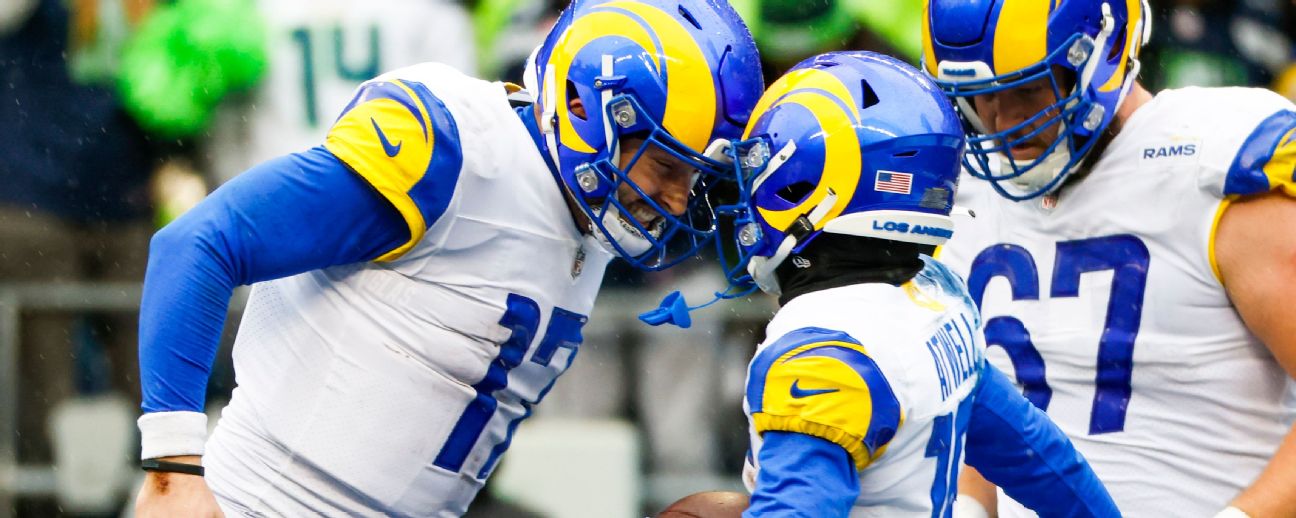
946, 445
1127, 257
344, 70
522, 319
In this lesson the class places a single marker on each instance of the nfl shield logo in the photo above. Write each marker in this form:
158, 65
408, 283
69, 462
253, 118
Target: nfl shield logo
579, 263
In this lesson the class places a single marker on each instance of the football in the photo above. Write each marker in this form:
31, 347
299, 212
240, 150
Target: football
710, 504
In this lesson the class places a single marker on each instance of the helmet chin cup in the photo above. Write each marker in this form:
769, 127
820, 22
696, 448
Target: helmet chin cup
1042, 174
618, 230
762, 268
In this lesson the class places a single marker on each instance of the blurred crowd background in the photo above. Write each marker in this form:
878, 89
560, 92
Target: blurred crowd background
118, 115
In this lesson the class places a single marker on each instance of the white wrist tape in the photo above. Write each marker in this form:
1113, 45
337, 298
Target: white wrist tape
168, 434
1232, 512
968, 507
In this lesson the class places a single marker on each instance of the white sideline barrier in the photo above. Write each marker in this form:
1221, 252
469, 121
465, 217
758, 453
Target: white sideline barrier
92, 439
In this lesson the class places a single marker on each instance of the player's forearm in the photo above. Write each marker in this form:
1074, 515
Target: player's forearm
186, 293
981, 491
287, 216
1015, 446
166, 494
1274, 492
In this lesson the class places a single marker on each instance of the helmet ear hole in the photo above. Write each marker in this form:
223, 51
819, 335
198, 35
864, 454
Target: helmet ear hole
574, 103
1117, 46
796, 192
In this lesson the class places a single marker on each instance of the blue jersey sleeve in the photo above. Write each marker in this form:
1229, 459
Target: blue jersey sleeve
287, 216
803, 476
1015, 446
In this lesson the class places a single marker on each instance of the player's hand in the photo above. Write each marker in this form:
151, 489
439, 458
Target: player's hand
176, 494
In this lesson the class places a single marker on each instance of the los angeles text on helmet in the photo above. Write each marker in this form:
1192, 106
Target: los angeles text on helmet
905, 228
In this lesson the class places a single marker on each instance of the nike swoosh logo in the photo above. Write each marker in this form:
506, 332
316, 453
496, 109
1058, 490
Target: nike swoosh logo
798, 392
391, 150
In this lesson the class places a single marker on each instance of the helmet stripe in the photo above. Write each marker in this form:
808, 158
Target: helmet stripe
842, 164
691, 90
584, 30
929, 49
797, 80
1020, 35
1133, 17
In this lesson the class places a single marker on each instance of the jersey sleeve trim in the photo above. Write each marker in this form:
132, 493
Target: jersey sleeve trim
823, 383
1214, 230
1267, 158
404, 142
854, 445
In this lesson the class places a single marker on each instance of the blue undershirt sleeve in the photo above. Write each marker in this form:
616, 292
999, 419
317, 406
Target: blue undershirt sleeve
1015, 445
803, 476
290, 215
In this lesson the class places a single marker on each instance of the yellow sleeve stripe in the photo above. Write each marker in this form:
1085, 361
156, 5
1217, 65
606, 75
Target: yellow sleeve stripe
1210, 244
1280, 167
853, 444
406, 205
826, 343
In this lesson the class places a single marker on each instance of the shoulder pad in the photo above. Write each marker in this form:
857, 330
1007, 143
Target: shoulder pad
1267, 158
823, 383
403, 141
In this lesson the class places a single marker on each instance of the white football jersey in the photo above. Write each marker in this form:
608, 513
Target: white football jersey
884, 371
1107, 307
394, 386
318, 52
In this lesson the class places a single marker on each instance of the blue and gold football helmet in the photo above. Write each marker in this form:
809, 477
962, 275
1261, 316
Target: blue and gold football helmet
851, 143
680, 74
1087, 50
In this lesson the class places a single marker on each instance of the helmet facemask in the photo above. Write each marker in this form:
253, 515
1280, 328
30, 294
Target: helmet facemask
1079, 114
1076, 120
750, 257
645, 233
672, 76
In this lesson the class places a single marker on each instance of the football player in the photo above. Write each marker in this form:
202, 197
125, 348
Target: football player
318, 52
1132, 253
872, 374
423, 276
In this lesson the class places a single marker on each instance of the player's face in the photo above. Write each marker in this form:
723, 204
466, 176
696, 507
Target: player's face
1005, 109
662, 177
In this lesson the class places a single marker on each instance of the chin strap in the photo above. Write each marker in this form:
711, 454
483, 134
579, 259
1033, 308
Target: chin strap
674, 310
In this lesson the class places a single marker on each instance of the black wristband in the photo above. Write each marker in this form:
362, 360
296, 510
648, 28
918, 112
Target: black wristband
171, 467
